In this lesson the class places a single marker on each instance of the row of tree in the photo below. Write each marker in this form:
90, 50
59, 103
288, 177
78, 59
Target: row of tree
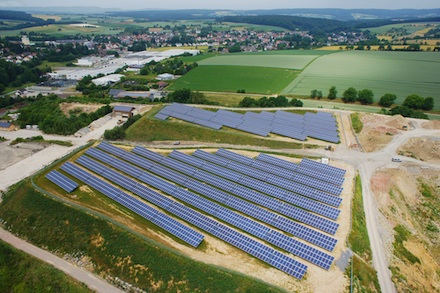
366, 97
272, 102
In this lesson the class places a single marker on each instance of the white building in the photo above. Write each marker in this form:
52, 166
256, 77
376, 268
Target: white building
106, 80
165, 76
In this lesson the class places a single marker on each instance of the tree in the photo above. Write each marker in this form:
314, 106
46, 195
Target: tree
365, 96
295, 103
115, 133
414, 102
387, 100
319, 95
428, 104
313, 94
247, 102
350, 95
332, 93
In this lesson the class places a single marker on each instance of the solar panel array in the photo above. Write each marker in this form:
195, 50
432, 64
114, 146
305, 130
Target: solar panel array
243, 206
237, 239
304, 251
174, 227
224, 189
320, 125
62, 181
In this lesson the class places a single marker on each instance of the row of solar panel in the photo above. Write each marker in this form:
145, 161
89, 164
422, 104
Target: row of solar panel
62, 181
235, 238
296, 185
307, 163
317, 183
174, 227
309, 253
268, 217
260, 124
236, 185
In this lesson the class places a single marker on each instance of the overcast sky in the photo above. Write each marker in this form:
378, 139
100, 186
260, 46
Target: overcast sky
229, 4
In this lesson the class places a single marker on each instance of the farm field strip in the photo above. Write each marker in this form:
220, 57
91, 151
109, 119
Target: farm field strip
274, 61
262, 80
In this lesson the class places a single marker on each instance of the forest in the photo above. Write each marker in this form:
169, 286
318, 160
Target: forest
46, 113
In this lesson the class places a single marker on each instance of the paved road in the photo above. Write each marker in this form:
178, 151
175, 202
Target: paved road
82, 275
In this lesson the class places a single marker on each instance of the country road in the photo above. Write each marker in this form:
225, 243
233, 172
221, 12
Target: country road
365, 163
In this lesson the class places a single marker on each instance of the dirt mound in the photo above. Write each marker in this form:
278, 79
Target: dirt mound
422, 148
378, 130
434, 124
398, 121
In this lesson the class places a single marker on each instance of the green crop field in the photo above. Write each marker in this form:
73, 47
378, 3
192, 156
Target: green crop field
409, 27
274, 61
260, 80
400, 73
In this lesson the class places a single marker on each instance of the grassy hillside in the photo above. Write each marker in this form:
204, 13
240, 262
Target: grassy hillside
20, 272
149, 129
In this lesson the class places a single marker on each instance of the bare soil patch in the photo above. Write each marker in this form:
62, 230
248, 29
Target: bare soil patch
426, 149
14, 154
433, 124
80, 108
379, 130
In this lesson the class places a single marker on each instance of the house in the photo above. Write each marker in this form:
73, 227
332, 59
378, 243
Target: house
165, 76
7, 126
123, 111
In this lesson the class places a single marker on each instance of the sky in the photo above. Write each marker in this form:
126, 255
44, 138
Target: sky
228, 4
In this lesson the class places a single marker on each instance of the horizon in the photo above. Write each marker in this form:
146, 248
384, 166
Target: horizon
227, 4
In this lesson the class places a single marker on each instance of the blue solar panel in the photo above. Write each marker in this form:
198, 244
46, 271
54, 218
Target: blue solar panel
62, 181
181, 231
202, 221
334, 171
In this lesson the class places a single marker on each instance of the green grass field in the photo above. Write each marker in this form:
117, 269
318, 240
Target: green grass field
400, 73
272, 61
259, 80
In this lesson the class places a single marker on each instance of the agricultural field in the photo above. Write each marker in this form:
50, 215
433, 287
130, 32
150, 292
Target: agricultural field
261, 80
410, 28
273, 61
400, 73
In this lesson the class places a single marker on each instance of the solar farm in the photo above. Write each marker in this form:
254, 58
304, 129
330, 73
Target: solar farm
322, 125
282, 213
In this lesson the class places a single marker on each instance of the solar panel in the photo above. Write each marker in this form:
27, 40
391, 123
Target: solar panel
174, 227
62, 181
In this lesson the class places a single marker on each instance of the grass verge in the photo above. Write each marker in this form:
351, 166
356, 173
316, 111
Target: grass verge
113, 251
149, 129
23, 273
40, 139
364, 275
356, 122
